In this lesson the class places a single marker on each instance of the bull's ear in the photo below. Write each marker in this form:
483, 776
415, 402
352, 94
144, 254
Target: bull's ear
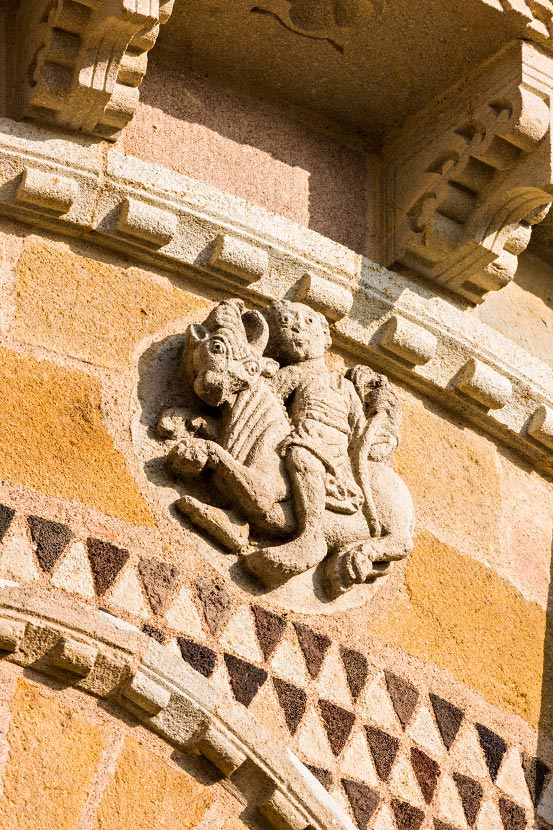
257, 330
197, 332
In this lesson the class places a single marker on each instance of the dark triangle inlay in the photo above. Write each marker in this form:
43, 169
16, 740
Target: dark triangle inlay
404, 696
338, 723
512, 816
50, 538
314, 647
106, 562
494, 748
270, 629
6, 518
324, 776
154, 633
357, 670
216, 604
383, 748
427, 772
159, 580
201, 658
363, 800
441, 825
245, 679
471, 793
448, 717
292, 701
535, 772
407, 816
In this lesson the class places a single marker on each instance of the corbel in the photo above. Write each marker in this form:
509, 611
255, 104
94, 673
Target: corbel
81, 62
467, 179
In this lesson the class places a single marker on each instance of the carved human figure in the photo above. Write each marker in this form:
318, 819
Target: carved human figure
311, 478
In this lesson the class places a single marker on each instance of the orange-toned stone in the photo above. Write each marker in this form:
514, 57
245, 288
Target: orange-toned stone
54, 754
54, 440
147, 791
112, 308
463, 617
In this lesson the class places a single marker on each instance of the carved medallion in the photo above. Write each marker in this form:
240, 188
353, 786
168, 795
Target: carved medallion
280, 462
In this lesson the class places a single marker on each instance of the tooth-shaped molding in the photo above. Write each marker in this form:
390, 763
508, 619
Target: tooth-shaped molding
80, 62
540, 426
239, 258
333, 300
145, 222
145, 676
484, 385
74, 656
408, 341
466, 180
47, 190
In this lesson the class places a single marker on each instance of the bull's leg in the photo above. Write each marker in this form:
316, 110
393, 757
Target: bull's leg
364, 561
276, 564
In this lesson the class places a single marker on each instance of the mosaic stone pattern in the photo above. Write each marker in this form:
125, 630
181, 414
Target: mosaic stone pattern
396, 756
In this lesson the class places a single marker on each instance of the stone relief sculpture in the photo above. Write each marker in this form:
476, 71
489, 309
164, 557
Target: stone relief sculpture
295, 454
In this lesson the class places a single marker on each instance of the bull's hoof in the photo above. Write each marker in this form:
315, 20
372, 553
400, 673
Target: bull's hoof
351, 566
275, 565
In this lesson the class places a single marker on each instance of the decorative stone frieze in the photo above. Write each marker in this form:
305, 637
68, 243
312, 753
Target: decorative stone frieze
408, 341
333, 300
484, 385
540, 426
80, 64
466, 180
239, 258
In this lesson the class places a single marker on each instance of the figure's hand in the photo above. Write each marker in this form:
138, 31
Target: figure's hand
191, 455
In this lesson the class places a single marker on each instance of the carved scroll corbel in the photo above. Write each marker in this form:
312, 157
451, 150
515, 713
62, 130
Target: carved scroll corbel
466, 182
80, 62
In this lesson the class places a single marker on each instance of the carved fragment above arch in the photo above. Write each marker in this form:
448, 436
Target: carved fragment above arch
466, 181
81, 61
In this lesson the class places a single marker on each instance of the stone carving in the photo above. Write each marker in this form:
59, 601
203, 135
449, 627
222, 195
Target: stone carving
468, 180
81, 62
296, 454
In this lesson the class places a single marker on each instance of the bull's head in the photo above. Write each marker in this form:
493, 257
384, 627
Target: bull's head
224, 354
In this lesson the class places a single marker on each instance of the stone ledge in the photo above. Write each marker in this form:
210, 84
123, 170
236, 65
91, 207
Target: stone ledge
426, 347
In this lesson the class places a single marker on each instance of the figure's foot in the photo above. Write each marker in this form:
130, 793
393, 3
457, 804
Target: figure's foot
277, 564
351, 566
222, 525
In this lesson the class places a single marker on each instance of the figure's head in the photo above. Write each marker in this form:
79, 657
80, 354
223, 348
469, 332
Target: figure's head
382, 408
224, 354
296, 332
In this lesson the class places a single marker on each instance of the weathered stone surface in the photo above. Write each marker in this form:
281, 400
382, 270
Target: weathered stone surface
54, 440
108, 318
356, 667
471, 796
404, 696
314, 647
270, 628
427, 772
217, 604
292, 700
407, 816
245, 679
54, 753
163, 788
160, 580
494, 748
363, 800
106, 562
6, 516
448, 717
51, 539
198, 656
384, 749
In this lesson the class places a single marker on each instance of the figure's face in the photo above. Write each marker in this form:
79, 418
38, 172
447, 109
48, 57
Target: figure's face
384, 442
303, 333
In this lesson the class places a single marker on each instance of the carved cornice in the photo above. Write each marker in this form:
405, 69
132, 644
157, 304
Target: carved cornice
466, 181
159, 217
105, 657
80, 63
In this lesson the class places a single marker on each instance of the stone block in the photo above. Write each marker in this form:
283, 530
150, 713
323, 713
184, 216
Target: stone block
12, 633
281, 814
47, 190
332, 300
408, 340
239, 258
483, 384
74, 656
147, 694
146, 222
540, 426
220, 750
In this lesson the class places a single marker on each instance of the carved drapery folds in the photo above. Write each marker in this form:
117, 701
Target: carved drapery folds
467, 180
81, 61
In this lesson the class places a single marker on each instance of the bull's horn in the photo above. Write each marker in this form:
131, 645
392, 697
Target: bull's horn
257, 330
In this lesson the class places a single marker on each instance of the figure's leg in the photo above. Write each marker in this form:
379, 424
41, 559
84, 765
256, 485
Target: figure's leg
276, 564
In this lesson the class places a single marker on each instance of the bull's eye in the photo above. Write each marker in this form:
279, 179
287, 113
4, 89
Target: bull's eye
217, 347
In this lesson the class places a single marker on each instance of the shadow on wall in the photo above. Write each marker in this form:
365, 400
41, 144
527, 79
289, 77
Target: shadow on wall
539, 775
252, 150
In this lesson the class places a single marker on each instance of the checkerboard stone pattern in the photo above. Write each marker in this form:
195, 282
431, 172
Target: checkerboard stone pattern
396, 756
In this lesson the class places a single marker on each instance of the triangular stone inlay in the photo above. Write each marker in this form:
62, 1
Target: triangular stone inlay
384, 749
270, 629
324, 776
407, 817
494, 748
199, 657
535, 772
471, 796
441, 825
106, 562
338, 724
404, 696
159, 580
448, 717
314, 647
216, 604
357, 670
6, 517
245, 679
512, 816
427, 772
363, 800
51, 540
292, 701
